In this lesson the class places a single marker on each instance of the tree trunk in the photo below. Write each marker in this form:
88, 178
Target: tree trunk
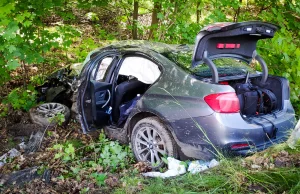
198, 12
154, 22
236, 16
135, 19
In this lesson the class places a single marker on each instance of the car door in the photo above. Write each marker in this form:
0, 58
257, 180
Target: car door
95, 92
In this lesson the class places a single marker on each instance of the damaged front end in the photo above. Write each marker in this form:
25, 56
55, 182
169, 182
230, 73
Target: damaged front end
60, 85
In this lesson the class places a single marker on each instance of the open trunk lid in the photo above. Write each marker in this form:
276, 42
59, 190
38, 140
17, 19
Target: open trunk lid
230, 39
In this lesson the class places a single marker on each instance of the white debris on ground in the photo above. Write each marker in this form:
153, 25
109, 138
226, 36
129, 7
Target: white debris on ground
199, 165
10, 154
177, 167
22, 146
294, 137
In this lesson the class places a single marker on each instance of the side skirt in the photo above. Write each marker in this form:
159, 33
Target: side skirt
116, 133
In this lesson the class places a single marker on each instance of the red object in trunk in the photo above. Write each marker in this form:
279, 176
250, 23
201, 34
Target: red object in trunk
223, 102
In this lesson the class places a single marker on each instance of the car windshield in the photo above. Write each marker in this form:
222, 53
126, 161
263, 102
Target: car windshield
227, 66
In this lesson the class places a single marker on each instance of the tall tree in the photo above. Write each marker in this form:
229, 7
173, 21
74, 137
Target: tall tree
154, 21
198, 11
135, 19
237, 13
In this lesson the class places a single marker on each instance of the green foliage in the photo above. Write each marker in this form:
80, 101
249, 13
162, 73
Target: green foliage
59, 118
24, 38
84, 190
113, 155
21, 99
110, 155
282, 54
66, 153
100, 156
86, 45
100, 178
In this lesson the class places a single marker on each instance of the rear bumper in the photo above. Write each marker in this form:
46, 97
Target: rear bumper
252, 149
225, 130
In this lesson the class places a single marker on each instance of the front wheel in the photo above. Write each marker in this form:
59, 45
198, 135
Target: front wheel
151, 141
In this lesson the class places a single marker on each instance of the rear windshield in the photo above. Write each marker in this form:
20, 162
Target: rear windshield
226, 66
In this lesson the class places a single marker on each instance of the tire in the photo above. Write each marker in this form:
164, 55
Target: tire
150, 141
42, 113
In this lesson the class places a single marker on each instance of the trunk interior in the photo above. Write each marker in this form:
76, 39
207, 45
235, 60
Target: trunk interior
277, 85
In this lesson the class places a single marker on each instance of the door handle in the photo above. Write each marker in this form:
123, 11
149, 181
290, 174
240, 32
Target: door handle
88, 101
109, 95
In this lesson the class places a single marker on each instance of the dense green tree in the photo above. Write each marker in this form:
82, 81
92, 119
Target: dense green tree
29, 29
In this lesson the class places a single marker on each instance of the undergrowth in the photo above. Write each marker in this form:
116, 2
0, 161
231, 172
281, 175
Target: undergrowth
93, 161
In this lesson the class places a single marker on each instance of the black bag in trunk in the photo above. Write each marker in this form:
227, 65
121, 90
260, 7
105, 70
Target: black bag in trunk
255, 100
248, 98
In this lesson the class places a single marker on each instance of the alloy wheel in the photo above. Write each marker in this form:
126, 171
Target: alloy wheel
150, 145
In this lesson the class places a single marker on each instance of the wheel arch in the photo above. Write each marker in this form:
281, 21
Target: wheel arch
141, 115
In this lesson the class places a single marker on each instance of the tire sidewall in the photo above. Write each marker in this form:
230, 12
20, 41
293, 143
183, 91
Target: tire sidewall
37, 118
161, 129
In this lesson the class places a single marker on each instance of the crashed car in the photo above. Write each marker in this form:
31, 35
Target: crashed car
185, 101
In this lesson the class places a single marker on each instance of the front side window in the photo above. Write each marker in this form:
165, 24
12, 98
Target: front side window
99, 72
141, 68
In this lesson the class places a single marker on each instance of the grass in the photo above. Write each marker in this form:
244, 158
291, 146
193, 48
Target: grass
277, 180
230, 176
188, 183
222, 179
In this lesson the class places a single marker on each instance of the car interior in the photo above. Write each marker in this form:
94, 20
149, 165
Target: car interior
135, 76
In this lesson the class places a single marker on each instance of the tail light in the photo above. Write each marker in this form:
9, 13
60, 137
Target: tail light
239, 146
223, 102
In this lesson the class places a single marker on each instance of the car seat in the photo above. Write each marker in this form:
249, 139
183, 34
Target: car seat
124, 92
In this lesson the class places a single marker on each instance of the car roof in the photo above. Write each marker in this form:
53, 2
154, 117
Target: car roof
158, 47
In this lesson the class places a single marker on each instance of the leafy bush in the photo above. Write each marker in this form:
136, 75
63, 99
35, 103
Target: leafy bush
100, 156
282, 54
21, 99
113, 155
67, 152
108, 154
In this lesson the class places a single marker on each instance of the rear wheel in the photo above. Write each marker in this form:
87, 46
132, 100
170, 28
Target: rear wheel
151, 141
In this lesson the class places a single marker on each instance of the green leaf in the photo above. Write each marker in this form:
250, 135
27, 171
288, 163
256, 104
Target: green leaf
27, 23
164, 160
11, 48
11, 30
160, 16
13, 64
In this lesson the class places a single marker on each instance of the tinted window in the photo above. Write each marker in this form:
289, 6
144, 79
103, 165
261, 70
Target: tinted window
226, 67
99, 72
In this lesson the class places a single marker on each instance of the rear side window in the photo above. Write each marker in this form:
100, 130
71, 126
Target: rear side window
226, 67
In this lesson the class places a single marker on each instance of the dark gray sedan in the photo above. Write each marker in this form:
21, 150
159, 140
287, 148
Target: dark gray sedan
186, 101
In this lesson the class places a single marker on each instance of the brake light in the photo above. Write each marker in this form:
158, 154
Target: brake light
232, 46
224, 83
228, 46
220, 45
223, 102
239, 146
